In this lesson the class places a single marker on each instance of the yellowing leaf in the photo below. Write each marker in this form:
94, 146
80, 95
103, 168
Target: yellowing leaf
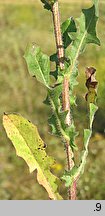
28, 144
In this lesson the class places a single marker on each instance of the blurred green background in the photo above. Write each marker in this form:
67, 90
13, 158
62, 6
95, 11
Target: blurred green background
21, 22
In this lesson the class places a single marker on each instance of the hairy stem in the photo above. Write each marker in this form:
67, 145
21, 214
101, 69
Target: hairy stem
65, 92
58, 35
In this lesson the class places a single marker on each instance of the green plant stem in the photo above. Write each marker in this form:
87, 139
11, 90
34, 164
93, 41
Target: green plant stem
65, 92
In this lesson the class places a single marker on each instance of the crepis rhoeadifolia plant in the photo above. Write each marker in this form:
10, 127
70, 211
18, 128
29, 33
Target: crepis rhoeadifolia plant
71, 38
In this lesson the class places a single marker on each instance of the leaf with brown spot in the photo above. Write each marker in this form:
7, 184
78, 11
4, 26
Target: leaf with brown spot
29, 145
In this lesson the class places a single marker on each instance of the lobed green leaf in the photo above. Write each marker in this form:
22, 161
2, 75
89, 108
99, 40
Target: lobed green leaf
86, 34
71, 131
68, 176
38, 64
68, 27
57, 120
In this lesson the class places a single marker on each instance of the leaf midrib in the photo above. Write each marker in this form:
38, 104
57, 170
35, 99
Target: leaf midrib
80, 47
41, 72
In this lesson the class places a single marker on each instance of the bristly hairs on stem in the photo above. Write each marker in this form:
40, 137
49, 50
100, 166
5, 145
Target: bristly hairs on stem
65, 91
